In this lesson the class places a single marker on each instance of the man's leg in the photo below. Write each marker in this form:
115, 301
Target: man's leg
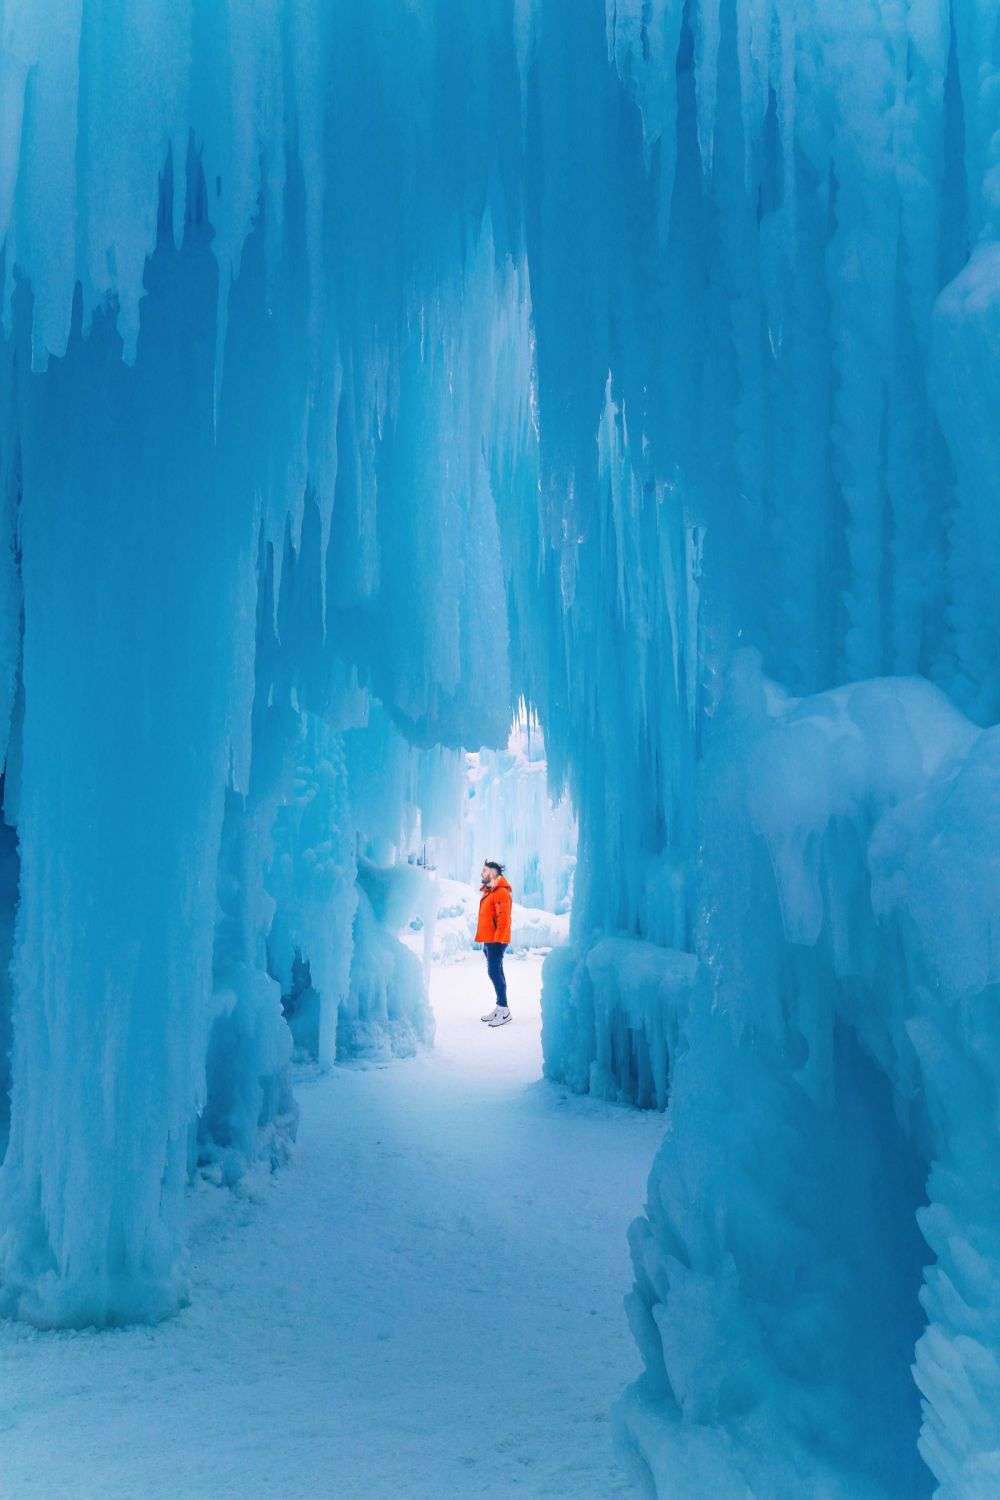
487, 954
496, 953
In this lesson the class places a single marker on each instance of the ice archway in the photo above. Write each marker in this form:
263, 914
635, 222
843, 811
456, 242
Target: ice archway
680, 325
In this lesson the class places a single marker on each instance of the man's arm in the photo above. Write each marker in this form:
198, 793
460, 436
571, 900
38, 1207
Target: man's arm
503, 910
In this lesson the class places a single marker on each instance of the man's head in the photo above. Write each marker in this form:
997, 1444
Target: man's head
491, 872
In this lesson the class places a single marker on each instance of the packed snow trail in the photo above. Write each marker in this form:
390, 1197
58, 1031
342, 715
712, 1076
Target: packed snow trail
427, 1303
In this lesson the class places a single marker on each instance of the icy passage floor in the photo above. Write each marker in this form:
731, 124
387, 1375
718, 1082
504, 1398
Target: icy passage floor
427, 1303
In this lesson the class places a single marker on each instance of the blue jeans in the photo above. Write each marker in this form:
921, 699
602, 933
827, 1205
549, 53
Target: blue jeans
494, 963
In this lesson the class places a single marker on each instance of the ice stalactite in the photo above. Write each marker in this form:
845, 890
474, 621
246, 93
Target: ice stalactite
386, 1013
249, 1112
311, 879
965, 338
9, 886
122, 821
11, 717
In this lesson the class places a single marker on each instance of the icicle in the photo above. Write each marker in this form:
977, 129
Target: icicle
708, 31
43, 48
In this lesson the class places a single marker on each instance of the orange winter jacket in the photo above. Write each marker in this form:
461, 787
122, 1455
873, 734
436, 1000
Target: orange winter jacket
494, 914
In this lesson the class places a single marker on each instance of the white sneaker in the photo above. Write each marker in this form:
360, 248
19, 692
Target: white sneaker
490, 1014
500, 1016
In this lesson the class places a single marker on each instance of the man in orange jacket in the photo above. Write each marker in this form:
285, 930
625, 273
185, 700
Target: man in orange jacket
493, 931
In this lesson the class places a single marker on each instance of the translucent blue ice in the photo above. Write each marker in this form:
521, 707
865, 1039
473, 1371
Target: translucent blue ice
369, 369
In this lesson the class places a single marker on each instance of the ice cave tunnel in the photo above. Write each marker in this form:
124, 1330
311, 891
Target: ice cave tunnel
375, 371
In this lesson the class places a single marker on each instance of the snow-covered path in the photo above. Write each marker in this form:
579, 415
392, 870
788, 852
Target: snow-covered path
427, 1303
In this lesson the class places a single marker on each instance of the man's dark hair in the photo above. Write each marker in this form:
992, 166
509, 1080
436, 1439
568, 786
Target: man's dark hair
491, 864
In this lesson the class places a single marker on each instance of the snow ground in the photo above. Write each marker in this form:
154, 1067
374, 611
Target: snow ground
426, 1303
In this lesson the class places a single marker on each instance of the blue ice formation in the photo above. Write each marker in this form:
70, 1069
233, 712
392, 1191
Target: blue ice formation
369, 368
247, 529
502, 804
836, 1067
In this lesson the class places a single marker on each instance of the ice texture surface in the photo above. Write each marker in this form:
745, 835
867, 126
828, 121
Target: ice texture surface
833, 1046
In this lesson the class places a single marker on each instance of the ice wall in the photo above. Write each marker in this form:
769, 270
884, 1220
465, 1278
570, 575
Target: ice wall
776, 426
247, 514
834, 1059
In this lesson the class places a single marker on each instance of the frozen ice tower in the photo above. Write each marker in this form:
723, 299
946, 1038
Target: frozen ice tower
376, 375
